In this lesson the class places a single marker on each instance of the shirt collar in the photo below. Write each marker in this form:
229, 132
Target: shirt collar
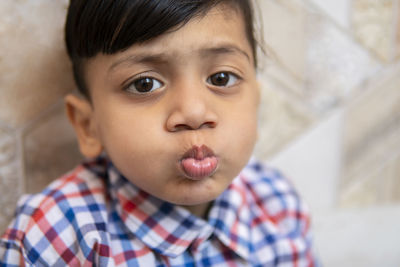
231, 218
170, 230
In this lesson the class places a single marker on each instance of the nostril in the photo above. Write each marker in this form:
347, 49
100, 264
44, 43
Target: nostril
181, 127
208, 124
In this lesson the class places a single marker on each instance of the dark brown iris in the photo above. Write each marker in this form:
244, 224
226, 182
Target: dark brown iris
220, 79
144, 85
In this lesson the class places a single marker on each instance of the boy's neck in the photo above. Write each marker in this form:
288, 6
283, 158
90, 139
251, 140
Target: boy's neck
200, 210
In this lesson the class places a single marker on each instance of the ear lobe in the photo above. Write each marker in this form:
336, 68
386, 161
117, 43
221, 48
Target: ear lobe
80, 114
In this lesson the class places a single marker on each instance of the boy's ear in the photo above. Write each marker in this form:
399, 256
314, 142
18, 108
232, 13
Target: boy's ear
80, 114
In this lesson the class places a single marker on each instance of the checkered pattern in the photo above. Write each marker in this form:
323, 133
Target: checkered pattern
94, 216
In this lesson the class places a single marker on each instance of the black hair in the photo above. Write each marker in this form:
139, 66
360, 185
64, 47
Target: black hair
111, 26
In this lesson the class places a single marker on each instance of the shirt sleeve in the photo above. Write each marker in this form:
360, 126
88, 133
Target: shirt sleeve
39, 236
11, 243
14, 253
11, 249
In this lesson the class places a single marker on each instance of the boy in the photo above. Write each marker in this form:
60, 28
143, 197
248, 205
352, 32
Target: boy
168, 119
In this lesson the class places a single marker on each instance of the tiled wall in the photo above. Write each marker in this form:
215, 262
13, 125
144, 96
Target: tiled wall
329, 57
342, 56
36, 142
332, 122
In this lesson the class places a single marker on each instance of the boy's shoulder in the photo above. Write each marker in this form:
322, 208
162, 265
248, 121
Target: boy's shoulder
273, 219
265, 180
272, 198
84, 186
71, 207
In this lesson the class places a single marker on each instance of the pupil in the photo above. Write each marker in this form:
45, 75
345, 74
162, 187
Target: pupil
220, 79
144, 85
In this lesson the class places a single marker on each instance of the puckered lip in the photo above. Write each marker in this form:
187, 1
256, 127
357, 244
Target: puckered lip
198, 153
198, 163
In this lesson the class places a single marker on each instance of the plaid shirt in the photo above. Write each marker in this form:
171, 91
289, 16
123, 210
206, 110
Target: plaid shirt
94, 216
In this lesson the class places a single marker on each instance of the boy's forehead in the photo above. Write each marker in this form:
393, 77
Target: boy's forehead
167, 56
217, 24
220, 31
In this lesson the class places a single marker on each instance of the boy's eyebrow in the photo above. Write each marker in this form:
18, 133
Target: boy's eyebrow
143, 58
163, 57
224, 49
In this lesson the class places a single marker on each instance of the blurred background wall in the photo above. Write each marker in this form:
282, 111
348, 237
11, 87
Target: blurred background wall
330, 114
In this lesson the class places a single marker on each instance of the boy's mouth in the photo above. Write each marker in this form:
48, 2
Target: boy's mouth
199, 162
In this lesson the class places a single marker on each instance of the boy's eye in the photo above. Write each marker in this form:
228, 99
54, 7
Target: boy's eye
222, 79
144, 85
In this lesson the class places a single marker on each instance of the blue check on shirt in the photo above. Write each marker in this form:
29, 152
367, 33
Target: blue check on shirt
93, 216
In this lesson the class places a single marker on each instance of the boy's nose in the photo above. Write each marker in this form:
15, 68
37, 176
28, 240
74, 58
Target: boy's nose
191, 110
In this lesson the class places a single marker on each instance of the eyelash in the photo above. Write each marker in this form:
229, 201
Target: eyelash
143, 78
229, 75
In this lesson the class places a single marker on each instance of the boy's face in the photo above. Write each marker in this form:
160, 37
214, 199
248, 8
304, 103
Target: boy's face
177, 114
